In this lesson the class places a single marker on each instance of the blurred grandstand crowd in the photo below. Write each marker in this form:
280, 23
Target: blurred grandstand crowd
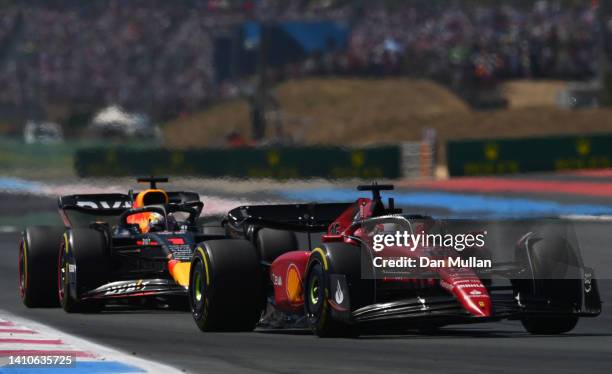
159, 54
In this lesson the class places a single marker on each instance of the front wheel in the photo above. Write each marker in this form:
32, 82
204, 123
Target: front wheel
549, 325
316, 304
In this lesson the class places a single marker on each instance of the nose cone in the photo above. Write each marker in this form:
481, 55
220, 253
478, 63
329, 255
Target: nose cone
475, 299
466, 286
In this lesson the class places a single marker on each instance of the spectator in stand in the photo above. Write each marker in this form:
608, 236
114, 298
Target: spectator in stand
157, 56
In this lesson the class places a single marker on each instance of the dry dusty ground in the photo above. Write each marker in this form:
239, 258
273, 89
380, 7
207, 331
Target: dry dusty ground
362, 111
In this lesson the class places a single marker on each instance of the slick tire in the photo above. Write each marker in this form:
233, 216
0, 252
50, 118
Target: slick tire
37, 271
272, 243
83, 265
225, 286
337, 258
549, 325
554, 265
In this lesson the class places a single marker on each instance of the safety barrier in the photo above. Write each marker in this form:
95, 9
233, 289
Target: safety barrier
507, 156
271, 162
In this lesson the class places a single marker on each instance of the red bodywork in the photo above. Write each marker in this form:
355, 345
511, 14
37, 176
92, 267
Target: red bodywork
462, 283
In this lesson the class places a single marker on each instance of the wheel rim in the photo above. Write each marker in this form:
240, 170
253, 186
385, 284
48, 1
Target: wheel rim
62, 273
198, 286
314, 290
22, 270
197, 292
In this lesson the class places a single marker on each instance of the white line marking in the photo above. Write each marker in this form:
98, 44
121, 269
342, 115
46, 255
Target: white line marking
101, 352
584, 217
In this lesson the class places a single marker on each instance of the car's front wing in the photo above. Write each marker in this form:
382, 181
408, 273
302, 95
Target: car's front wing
136, 288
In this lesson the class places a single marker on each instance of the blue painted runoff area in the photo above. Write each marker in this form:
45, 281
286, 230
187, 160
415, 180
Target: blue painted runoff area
81, 367
459, 204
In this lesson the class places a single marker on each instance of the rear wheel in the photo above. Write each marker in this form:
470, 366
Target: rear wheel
83, 265
225, 286
37, 272
272, 243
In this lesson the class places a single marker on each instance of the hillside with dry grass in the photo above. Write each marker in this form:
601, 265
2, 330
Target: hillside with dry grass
362, 111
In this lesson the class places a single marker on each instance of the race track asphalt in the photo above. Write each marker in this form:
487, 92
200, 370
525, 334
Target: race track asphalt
171, 337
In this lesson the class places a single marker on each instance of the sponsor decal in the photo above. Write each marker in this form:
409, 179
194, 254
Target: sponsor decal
126, 288
294, 285
339, 295
277, 280
104, 204
338, 298
181, 252
469, 285
475, 292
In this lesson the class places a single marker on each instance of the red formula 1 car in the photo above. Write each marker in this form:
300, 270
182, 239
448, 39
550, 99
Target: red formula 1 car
336, 285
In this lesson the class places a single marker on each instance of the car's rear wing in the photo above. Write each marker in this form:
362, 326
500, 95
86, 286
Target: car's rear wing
180, 197
108, 206
94, 203
293, 217
115, 202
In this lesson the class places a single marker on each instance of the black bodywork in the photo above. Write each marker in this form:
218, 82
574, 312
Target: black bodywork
138, 261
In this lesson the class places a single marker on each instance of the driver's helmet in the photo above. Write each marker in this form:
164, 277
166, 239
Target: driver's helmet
149, 221
156, 222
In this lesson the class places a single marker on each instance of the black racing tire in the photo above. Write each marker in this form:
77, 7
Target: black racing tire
549, 325
225, 286
316, 305
317, 290
272, 243
37, 271
552, 254
555, 265
83, 265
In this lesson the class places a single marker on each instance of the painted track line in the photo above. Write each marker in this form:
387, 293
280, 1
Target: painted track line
17, 331
586, 217
29, 338
30, 341
49, 352
514, 185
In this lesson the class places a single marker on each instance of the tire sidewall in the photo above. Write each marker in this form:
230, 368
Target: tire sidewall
37, 271
199, 308
316, 313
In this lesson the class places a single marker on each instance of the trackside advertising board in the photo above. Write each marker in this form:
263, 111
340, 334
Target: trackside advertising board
507, 156
282, 163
